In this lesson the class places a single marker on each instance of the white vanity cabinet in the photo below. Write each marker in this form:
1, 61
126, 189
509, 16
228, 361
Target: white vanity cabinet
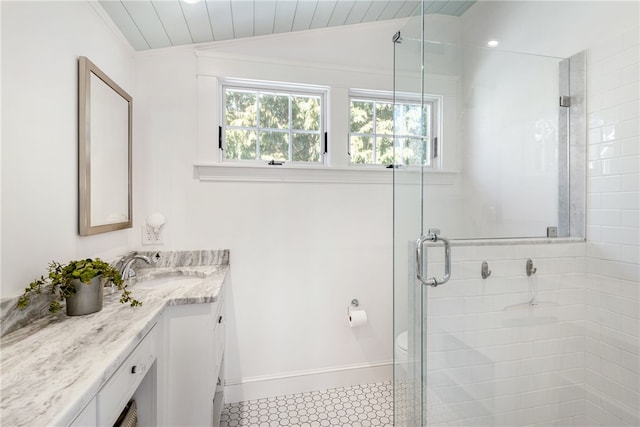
136, 377
193, 348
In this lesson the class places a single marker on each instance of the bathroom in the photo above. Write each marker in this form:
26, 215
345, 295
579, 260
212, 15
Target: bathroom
304, 244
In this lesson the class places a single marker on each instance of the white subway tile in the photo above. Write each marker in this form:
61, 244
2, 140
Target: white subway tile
594, 200
594, 168
631, 38
630, 74
630, 254
621, 270
594, 137
594, 233
604, 117
594, 266
629, 110
608, 134
559, 250
593, 362
630, 146
630, 218
618, 342
621, 235
629, 380
620, 95
606, 49
628, 128
571, 408
624, 165
628, 289
621, 60
608, 217
630, 361
623, 306
603, 250
627, 201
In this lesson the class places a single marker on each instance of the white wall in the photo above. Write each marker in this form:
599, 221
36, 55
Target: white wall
300, 252
41, 42
609, 30
613, 231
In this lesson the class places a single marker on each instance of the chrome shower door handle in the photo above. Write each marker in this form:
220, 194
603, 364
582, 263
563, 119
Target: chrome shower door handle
432, 281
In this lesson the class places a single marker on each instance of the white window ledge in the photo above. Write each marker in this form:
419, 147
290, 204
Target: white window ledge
315, 174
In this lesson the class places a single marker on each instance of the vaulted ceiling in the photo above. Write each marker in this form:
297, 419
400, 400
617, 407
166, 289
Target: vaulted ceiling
153, 24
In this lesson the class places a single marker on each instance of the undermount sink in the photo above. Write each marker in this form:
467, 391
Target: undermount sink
168, 280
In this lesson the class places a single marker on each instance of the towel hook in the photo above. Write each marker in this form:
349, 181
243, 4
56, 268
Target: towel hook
530, 269
484, 270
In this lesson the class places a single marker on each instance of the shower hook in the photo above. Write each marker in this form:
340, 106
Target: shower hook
484, 271
530, 269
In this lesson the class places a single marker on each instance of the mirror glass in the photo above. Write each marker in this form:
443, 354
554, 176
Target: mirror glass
104, 152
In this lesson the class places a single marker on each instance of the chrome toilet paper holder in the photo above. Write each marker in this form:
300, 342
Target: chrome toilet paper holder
354, 303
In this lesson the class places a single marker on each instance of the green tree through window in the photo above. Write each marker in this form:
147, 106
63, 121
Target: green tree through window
272, 125
372, 133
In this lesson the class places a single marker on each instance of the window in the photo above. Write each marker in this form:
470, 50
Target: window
273, 122
371, 129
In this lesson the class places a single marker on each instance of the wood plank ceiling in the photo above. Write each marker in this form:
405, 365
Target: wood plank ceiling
154, 24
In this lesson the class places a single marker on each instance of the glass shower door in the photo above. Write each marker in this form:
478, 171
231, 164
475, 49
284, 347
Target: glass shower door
408, 295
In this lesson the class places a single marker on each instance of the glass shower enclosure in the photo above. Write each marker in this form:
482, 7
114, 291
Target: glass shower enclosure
492, 162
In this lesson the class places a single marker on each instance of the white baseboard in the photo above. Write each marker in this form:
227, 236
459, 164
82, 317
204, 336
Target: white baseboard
243, 389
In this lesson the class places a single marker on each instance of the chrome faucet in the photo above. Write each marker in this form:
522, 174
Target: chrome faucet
125, 264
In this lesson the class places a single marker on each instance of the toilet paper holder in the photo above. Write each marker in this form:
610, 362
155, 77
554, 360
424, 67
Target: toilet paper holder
354, 303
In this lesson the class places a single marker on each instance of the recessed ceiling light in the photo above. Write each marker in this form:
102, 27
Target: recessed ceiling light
191, 1
493, 43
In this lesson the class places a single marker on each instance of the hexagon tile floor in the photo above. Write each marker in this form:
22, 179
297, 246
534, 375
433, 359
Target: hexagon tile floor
355, 406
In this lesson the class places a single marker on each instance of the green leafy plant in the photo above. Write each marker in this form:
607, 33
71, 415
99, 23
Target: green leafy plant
61, 278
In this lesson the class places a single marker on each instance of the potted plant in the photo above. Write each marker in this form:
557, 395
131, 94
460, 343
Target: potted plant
81, 283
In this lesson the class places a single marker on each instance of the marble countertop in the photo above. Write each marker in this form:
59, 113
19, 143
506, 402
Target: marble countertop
52, 367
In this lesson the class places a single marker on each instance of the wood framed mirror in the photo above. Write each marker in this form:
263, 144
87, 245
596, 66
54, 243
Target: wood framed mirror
104, 152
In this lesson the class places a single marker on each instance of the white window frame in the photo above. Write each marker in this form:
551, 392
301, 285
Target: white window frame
275, 87
435, 102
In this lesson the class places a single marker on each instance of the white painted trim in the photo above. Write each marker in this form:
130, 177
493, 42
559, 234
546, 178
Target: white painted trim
516, 241
205, 67
315, 174
243, 389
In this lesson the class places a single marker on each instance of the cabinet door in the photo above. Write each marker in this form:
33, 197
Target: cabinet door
88, 417
191, 357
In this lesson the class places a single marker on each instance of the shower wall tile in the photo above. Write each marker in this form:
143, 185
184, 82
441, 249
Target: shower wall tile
612, 335
493, 356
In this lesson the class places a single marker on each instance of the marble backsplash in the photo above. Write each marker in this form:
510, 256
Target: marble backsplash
12, 318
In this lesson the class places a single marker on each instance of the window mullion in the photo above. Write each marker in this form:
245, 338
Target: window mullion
257, 125
374, 140
290, 130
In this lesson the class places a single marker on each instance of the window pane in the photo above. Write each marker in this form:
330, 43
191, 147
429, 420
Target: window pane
362, 116
305, 112
384, 150
274, 145
361, 149
411, 151
240, 108
408, 119
306, 147
274, 111
384, 118
241, 144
